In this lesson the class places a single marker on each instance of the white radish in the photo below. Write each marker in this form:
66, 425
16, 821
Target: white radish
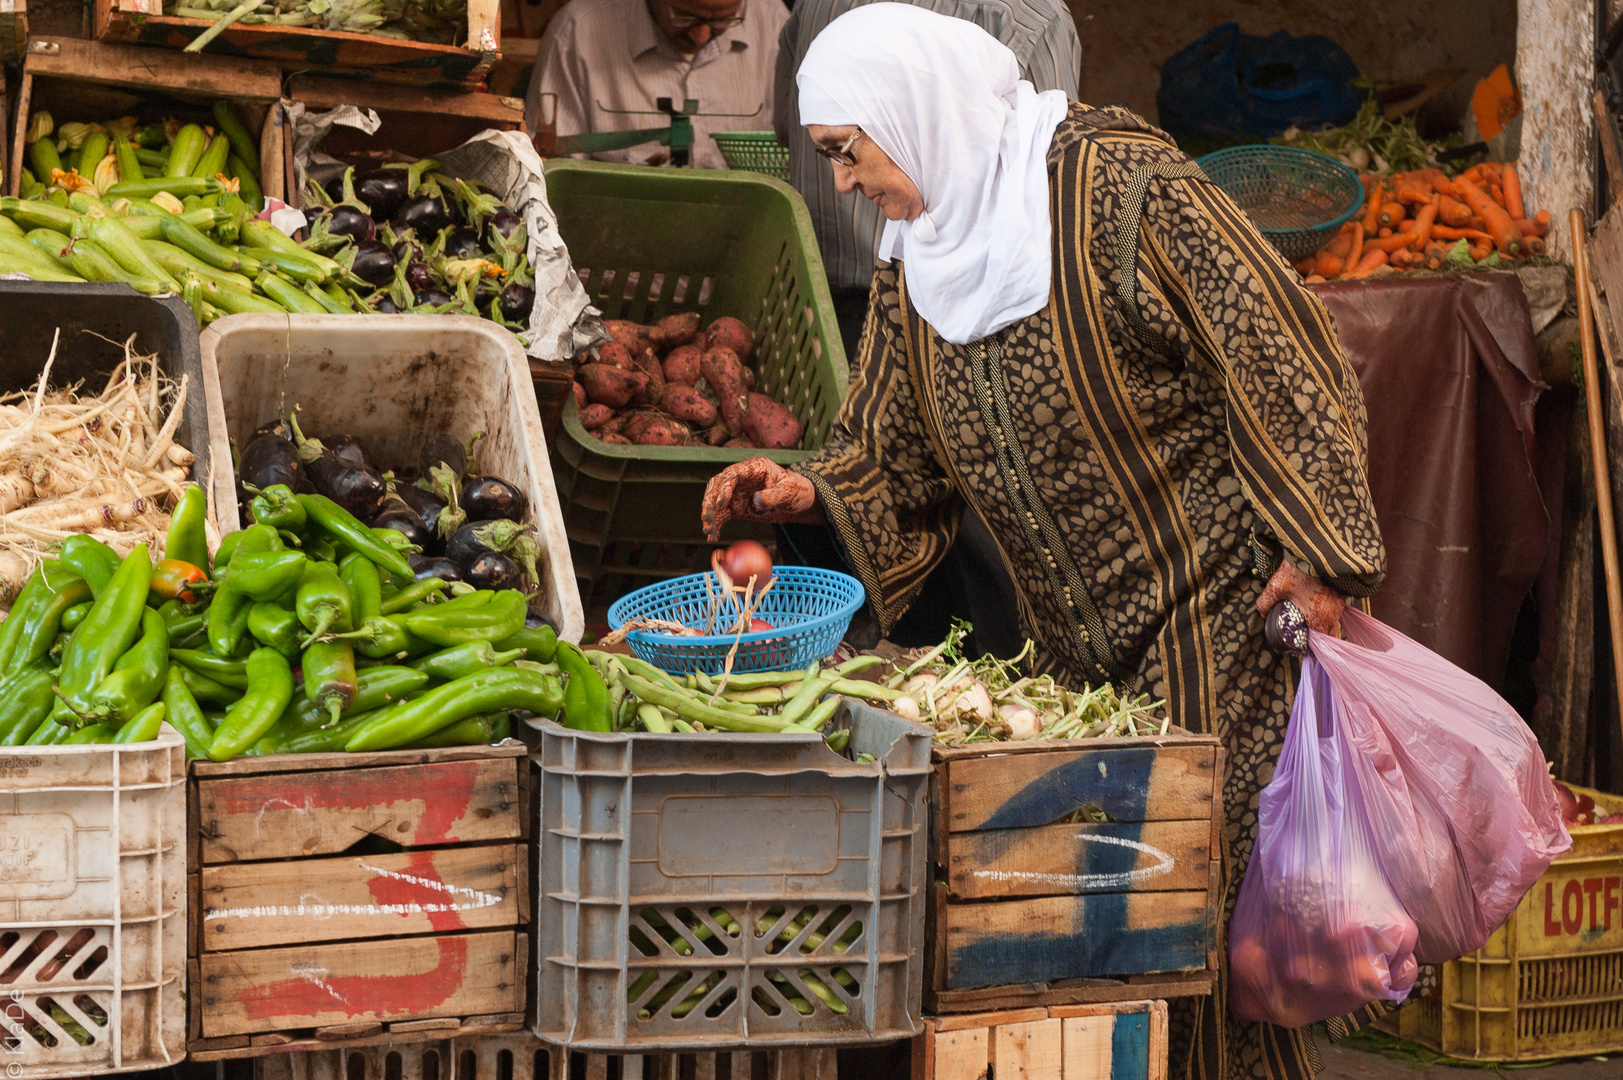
1022, 722
905, 707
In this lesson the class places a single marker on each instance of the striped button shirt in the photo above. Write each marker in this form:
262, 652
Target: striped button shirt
607, 58
1043, 38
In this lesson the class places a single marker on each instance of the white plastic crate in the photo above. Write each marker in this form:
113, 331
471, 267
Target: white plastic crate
92, 907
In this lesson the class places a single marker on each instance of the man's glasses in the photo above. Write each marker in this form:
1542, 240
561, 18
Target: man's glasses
682, 24
841, 155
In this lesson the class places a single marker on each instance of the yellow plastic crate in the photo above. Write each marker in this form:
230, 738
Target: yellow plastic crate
1549, 983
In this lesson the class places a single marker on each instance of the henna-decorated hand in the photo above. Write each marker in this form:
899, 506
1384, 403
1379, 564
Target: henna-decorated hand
1319, 604
755, 490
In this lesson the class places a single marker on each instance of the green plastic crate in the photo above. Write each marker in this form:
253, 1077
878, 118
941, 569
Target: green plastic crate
648, 242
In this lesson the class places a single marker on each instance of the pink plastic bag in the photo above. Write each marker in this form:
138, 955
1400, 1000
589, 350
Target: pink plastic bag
1317, 932
1457, 791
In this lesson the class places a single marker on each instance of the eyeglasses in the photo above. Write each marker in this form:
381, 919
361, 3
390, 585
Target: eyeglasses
679, 25
841, 155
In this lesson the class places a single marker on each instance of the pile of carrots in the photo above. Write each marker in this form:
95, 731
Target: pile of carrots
1418, 220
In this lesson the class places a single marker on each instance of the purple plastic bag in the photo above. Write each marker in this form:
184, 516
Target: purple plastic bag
1317, 932
1457, 791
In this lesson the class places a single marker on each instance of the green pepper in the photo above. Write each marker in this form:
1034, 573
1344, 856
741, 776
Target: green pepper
279, 508
329, 676
186, 540
586, 698
90, 559
138, 677
321, 549
275, 627
90, 733
178, 613
265, 575
386, 637
324, 604
223, 553
326, 740
143, 726
59, 592
205, 689
48, 733
374, 688
540, 643
474, 731
270, 688
501, 688
414, 593
75, 615
11, 631
501, 616
106, 634
258, 539
220, 669
183, 631
227, 619
25, 700
184, 715
361, 575
463, 660
343, 527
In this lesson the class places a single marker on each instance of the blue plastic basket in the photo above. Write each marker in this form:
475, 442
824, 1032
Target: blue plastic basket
1298, 199
809, 609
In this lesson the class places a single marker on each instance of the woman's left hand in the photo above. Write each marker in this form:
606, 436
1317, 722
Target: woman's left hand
1320, 605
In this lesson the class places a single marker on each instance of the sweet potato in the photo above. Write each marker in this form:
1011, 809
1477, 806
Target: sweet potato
648, 363
724, 371
749, 377
687, 404
634, 336
682, 364
595, 416
611, 386
615, 355
662, 431
769, 424
729, 333
674, 330
617, 440
614, 426
580, 394
716, 435
739, 443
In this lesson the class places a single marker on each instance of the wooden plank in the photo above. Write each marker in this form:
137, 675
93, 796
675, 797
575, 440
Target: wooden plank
406, 1027
964, 1054
1555, 55
1029, 1051
806, 1063
280, 764
1050, 860
320, 94
252, 905
1068, 992
25, 94
1611, 157
1176, 736
286, 815
146, 69
1086, 1048
305, 1041
1144, 783
340, 1032
322, 985
987, 1019
1067, 937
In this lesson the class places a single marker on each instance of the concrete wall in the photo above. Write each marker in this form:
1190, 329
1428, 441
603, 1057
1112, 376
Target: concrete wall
1123, 45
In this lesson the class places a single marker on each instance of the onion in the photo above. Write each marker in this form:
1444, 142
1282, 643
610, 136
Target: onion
747, 559
1023, 723
918, 685
970, 703
757, 625
905, 707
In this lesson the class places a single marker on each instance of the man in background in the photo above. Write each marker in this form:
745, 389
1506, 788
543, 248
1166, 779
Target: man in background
606, 58
1043, 38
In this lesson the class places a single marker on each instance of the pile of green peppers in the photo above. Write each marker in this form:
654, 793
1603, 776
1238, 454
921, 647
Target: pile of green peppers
305, 633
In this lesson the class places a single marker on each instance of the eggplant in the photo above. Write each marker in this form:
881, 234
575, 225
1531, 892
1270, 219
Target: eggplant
350, 221
502, 223
407, 251
382, 190
516, 302
487, 498
374, 263
462, 244
424, 213
275, 427
431, 297
418, 276
493, 570
357, 488
436, 566
464, 546
270, 459
444, 450
426, 505
348, 449
386, 306
334, 187
403, 519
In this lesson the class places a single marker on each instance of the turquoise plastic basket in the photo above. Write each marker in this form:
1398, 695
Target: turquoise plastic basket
809, 610
1298, 199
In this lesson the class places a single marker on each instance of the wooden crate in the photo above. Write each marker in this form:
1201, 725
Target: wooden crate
85, 80
13, 35
356, 899
1026, 911
447, 67
1120, 1041
416, 123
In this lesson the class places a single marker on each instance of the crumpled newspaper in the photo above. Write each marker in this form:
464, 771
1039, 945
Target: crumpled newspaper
563, 322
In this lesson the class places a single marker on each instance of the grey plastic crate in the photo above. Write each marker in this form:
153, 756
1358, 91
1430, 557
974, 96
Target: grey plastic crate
692, 835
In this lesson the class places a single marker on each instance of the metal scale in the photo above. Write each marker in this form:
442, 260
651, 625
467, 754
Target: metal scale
678, 134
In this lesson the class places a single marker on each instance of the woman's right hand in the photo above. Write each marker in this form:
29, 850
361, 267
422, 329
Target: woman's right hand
756, 490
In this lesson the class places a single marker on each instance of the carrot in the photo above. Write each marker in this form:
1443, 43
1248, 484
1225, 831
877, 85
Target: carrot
1512, 185
1372, 210
1496, 193
1440, 183
1392, 212
1537, 226
1329, 266
1342, 242
1505, 236
1371, 261
1423, 220
1481, 251
1443, 232
1534, 245
1452, 212
1355, 252
1415, 190
1477, 223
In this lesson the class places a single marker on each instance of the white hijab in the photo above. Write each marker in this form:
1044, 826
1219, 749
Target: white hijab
945, 100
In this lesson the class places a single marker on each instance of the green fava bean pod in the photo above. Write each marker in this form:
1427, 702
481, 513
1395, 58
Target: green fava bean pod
184, 715
488, 691
25, 701
270, 688
186, 540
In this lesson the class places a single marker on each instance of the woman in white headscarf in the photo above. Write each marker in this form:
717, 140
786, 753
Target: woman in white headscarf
1160, 461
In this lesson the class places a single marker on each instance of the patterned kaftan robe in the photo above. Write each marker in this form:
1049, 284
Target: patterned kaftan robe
1136, 468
